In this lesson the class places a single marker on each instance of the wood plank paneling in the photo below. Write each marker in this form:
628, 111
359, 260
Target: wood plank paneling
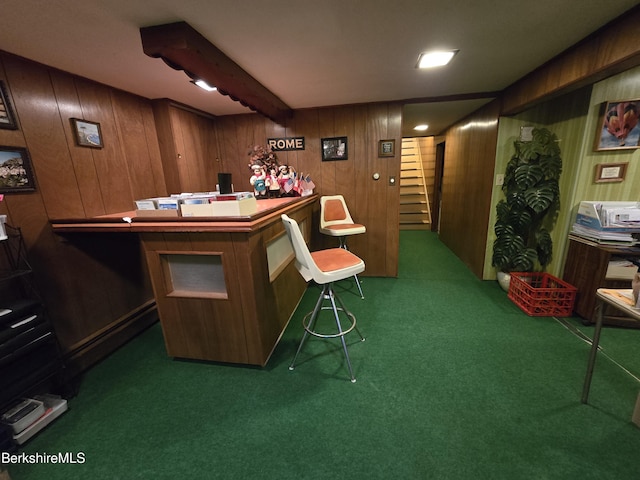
373, 203
110, 162
44, 137
467, 185
88, 183
86, 288
131, 126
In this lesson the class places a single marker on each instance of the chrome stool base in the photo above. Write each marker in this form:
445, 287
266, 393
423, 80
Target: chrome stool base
310, 319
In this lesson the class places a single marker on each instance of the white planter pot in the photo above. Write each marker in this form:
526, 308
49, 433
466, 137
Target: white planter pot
503, 280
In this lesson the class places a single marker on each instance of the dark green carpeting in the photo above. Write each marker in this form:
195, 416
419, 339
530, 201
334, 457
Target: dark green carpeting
454, 382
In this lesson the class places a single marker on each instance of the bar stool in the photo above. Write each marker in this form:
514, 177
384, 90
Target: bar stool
336, 221
324, 267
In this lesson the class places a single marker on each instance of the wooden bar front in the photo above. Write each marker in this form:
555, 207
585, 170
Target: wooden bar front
225, 288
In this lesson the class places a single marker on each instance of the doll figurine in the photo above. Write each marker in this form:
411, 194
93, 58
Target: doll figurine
286, 178
273, 187
258, 181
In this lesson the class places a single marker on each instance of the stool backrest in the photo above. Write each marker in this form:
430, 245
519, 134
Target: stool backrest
334, 211
304, 262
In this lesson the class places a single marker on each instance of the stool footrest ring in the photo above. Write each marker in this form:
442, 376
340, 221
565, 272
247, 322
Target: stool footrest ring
308, 318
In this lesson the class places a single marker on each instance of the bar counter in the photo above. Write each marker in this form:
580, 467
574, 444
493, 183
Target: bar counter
225, 287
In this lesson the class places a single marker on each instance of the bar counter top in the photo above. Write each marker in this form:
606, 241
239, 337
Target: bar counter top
130, 222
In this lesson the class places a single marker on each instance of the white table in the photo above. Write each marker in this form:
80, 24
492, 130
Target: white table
622, 299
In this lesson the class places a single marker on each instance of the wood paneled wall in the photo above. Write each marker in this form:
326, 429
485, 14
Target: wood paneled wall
95, 287
467, 180
188, 147
372, 203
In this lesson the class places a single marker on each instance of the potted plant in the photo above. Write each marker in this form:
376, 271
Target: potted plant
532, 198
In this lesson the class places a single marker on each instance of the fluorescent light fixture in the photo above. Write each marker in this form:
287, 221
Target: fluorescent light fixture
204, 85
421, 128
435, 58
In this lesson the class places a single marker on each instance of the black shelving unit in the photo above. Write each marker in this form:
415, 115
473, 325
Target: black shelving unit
30, 360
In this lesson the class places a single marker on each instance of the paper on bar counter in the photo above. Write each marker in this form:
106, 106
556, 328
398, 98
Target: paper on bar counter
225, 206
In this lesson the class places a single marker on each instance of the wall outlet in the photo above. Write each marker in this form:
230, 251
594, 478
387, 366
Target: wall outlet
500, 179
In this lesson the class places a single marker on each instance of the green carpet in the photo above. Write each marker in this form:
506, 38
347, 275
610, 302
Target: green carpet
453, 382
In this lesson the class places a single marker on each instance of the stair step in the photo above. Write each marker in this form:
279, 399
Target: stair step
415, 227
407, 222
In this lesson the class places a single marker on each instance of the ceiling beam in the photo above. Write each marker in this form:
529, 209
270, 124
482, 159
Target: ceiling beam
183, 48
455, 97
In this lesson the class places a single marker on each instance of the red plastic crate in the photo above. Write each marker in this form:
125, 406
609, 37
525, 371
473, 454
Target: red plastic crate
541, 294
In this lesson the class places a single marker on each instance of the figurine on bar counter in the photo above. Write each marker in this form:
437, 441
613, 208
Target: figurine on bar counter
263, 160
258, 181
272, 180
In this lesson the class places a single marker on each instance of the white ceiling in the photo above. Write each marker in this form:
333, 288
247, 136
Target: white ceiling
312, 53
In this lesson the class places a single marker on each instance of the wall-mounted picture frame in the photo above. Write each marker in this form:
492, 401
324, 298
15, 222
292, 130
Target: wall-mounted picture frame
610, 172
7, 117
387, 148
15, 170
618, 128
334, 148
88, 134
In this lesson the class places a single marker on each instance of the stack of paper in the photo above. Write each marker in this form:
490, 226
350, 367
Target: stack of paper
608, 223
603, 237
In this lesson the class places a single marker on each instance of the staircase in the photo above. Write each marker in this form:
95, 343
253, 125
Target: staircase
415, 210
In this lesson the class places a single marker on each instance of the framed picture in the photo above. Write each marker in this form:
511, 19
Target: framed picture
618, 128
610, 172
334, 148
387, 148
7, 118
87, 133
15, 170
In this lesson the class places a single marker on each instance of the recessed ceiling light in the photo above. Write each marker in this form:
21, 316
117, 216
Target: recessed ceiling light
204, 85
421, 128
435, 59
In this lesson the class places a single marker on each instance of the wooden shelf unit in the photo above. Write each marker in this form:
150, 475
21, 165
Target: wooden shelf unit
586, 269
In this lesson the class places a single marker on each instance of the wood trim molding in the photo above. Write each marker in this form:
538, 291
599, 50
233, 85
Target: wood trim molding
606, 52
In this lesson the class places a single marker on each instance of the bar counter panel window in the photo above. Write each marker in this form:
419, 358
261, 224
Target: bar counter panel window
194, 275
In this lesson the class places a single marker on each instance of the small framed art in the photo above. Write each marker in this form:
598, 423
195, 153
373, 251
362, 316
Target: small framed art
618, 128
87, 133
15, 170
386, 148
610, 172
334, 148
7, 117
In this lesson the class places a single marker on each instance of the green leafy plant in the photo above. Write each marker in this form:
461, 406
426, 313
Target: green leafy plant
532, 199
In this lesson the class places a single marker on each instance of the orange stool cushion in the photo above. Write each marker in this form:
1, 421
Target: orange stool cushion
333, 259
